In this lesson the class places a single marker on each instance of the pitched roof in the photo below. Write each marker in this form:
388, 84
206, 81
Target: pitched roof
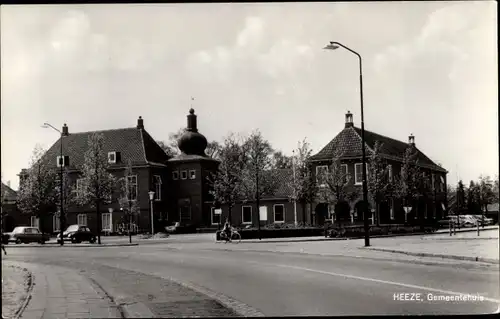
8, 194
348, 144
284, 190
133, 144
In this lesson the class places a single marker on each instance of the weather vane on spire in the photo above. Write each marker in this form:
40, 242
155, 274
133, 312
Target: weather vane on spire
192, 99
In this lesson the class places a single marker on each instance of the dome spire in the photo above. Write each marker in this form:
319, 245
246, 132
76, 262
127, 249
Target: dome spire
192, 142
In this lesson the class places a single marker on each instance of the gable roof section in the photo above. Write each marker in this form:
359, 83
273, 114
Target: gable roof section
132, 143
8, 194
348, 143
284, 190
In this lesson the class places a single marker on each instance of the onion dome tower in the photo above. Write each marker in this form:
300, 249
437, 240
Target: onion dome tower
192, 142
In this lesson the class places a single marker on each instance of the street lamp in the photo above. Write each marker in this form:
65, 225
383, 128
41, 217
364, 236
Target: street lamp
110, 210
61, 183
333, 46
151, 198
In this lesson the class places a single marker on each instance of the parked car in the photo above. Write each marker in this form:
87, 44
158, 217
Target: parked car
484, 220
179, 228
26, 235
76, 234
445, 222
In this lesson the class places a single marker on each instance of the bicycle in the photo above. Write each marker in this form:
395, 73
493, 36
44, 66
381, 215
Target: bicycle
235, 236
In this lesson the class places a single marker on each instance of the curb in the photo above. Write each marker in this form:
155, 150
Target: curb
29, 291
480, 259
71, 245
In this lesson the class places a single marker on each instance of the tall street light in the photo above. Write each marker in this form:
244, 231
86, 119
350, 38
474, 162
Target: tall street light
151, 198
61, 183
334, 46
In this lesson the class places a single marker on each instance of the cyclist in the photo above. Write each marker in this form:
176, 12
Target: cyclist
227, 230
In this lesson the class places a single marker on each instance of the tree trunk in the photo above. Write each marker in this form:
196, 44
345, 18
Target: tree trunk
303, 206
377, 212
98, 207
311, 212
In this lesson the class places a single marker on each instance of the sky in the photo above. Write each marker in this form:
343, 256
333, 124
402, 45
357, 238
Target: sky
429, 68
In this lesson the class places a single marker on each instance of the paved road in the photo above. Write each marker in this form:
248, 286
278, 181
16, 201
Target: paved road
278, 284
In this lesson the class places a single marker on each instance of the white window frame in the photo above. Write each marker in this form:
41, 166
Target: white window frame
112, 154
274, 214
59, 164
129, 182
212, 214
319, 168
184, 172
35, 222
356, 169
192, 174
81, 216
391, 208
341, 169
56, 223
109, 217
157, 179
263, 213
79, 186
390, 172
175, 175
243, 215
442, 184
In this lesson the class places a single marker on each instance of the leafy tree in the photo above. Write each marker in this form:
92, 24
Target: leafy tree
485, 193
259, 177
451, 199
406, 185
226, 182
423, 188
333, 184
281, 161
171, 147
495, 190
69, 197
127, 201
473, 206
303, 184
379, 186
97, 183
213, 150
461, 200
37, 193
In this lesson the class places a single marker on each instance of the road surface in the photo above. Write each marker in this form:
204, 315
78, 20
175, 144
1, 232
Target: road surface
279, 284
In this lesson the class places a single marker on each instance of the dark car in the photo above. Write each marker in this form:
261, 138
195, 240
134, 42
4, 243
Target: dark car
76, 234
26, 235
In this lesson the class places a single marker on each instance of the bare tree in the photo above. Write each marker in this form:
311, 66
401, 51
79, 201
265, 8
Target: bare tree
213, 150
226, 182
486, 193
379, 185
259, 177
128, 199
171, 147
37, 193
69, 197
97, 183
303, 184
407, 183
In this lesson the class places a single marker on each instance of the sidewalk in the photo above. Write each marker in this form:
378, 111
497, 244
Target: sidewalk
16, 282
63, 293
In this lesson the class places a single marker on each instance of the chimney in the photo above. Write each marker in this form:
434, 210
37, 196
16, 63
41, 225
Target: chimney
348, 120
191, 121
140, 123
411, 140
65, 131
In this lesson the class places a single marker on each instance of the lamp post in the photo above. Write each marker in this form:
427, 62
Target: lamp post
333, 46
151, 198
61, 184
110, 210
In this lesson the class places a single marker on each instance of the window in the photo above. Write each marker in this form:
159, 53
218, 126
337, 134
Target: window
433, 182
279, 213
442, 185
184, 175
358, 173
246, 214
192, 174
175, 175
62, 161
132, 187
263, 213
79, 187
391, 208
157, 179
56, 223
320, 171
343, 171
112, 157
216, 214
389, 170
106, 222
82, 219
35, 221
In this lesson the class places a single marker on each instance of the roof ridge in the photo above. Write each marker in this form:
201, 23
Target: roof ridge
384, 136
101, 131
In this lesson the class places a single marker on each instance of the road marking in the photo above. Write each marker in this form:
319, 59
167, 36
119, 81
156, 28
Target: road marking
385, 282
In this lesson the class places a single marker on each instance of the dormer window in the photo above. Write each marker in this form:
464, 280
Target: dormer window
113, 157
62, 161
175, 175
184, 174
192, 174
